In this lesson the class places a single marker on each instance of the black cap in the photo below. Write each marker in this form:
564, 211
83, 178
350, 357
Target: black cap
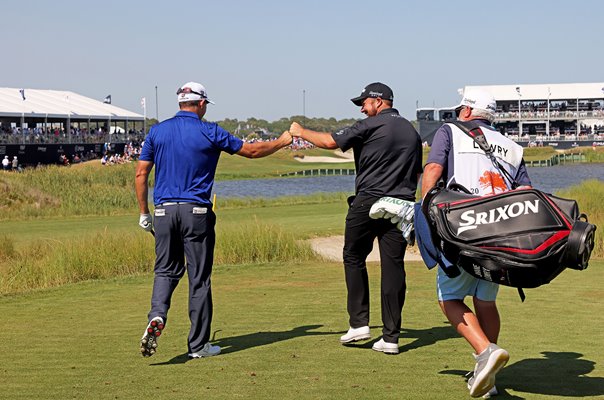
374, 90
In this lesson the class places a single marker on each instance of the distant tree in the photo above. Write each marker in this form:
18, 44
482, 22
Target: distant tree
251, 125
230, 124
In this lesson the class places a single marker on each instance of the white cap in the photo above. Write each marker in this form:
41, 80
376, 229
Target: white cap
192, 91
478, 98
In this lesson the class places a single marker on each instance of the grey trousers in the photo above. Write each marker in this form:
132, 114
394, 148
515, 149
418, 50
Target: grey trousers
185, 232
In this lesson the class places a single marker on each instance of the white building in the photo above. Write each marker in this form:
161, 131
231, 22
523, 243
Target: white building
530, 112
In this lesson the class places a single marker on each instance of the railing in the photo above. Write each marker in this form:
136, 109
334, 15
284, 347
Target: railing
557, 159
322, 172
553, 115
62, 138
556, 138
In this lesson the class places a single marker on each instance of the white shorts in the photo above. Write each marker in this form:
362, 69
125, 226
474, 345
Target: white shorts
464, 285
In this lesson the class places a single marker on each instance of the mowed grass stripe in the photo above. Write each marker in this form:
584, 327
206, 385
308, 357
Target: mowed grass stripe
279, 326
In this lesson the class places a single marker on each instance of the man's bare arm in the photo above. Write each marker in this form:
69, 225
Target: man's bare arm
263, 149
141, 183
432, 173
319, 139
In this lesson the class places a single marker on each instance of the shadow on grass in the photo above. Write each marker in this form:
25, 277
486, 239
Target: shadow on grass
423, 337
244, 342
558, 374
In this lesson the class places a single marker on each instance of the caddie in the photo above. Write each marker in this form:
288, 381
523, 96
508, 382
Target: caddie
455, 158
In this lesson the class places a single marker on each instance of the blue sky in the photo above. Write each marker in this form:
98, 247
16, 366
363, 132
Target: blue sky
257, 57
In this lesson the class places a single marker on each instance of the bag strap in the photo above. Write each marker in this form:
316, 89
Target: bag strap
473, 130
521, 294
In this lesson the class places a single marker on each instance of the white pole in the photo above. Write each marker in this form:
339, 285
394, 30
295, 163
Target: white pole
549, 92
144, 104
519, 113
578, 122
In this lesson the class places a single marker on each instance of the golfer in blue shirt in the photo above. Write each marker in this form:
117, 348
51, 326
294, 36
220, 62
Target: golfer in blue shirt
185, 151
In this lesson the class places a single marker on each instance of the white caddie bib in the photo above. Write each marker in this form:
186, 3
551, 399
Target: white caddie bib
478, 174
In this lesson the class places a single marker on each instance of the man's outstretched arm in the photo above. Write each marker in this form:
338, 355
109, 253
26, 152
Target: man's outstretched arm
319, 139
263, 149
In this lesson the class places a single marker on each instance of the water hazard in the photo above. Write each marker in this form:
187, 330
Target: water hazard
547, 179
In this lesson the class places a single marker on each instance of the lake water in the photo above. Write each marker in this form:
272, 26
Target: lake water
547, 179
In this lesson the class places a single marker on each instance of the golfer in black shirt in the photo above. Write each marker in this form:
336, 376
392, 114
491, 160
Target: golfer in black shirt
388, 158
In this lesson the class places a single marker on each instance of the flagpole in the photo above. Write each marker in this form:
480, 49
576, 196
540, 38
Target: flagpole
156, 105
143, 100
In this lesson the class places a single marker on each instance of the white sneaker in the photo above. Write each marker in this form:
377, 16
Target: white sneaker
385, 347
487, 366
206, 351
355, 334
489, 394
152, 333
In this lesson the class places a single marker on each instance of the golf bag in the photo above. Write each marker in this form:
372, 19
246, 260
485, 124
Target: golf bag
521, 238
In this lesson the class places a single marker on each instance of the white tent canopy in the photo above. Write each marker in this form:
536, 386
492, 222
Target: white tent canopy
554, 91
37, 103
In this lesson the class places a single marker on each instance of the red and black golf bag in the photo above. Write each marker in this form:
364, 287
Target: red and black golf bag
522, 238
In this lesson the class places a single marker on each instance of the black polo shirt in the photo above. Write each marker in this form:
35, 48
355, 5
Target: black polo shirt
387, 155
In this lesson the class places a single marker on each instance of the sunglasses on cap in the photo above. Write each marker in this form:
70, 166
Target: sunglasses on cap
458, 110
189, 90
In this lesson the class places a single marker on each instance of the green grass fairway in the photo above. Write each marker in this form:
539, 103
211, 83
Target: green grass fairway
278, 325
282, 162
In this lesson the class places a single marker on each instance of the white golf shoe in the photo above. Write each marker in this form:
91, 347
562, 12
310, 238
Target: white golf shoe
489, 394
206, 351
488, 364
355, 334
152, 333
385, 347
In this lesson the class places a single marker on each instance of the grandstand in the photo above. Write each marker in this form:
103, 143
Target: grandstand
40, 126
558, 115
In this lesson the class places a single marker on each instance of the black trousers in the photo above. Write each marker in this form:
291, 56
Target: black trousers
185, 232
361, 231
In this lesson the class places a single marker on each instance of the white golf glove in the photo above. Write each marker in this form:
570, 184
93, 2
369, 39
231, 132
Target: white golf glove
399, 212
146, 222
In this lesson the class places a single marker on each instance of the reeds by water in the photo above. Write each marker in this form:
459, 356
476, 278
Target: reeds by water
60, 191
50, 263
589, 195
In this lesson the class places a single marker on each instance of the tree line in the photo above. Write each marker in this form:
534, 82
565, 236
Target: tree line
253, 127
260, 127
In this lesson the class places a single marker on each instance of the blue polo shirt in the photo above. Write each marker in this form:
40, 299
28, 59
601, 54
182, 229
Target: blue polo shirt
185, 151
